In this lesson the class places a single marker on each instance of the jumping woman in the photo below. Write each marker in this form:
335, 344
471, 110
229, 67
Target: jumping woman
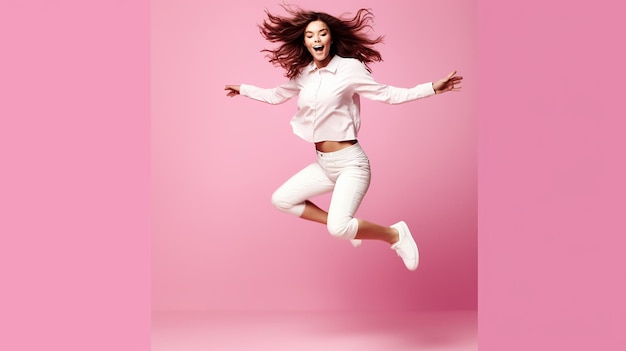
326, 61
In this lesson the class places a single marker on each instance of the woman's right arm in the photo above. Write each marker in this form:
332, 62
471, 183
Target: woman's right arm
273, 96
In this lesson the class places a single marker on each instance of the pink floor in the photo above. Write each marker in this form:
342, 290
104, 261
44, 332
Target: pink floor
320, 331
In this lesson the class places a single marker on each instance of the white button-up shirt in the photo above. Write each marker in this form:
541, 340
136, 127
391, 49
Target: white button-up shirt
328, 98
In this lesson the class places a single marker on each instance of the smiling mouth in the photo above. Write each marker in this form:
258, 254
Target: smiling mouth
318, 48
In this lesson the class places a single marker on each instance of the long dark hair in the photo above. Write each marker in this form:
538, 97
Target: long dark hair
348, 35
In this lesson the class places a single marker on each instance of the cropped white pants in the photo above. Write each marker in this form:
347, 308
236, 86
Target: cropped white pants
345, 172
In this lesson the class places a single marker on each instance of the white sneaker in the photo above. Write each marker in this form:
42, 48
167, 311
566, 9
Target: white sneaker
356, 242
406, 247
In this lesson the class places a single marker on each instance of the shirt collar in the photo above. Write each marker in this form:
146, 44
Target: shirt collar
330, 67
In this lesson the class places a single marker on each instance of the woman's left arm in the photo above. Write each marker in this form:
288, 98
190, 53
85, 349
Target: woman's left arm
365, 85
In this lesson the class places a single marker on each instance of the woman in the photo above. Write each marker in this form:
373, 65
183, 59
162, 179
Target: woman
326, 59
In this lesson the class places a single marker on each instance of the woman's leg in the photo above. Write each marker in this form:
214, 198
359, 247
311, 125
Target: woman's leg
293, 195
372, 231
366, 230
351, 169
350, 189
314, 213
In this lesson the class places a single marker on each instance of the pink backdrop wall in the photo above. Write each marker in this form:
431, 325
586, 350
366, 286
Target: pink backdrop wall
551, 176
74, 175
217, 242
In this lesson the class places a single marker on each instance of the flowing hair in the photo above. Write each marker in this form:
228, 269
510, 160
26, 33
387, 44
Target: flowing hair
348, 36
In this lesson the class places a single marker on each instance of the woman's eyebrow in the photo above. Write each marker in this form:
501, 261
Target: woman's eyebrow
323, 29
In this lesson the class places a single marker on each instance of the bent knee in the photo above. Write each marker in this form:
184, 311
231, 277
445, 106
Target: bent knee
280, 202
343, 229
284, 204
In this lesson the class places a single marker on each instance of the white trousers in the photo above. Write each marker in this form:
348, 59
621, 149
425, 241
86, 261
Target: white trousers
345, 172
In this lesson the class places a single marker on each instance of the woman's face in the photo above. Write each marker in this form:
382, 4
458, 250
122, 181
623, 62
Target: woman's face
317, 40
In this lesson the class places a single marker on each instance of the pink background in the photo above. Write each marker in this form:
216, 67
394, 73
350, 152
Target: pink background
552, 274
74, 175
218, 243
75, 203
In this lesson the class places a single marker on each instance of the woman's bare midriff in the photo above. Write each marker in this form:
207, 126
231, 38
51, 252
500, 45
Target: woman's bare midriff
332, 146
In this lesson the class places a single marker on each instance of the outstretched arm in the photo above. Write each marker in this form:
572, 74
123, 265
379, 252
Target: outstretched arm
366, 86
450, 83
274, 96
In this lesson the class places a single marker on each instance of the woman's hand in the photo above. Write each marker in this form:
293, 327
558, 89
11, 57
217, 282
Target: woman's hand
232, 90
450, 83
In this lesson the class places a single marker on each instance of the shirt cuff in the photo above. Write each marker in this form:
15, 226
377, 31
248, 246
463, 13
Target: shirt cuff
244, 89
427, 89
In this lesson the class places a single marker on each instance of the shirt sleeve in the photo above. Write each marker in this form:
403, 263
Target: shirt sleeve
273, 96
365, 85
